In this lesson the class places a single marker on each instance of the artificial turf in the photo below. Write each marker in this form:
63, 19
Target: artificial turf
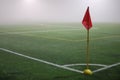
60, 44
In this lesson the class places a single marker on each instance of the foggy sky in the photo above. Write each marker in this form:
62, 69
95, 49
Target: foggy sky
36, 11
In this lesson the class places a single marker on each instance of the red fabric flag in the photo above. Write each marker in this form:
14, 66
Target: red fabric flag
87, 20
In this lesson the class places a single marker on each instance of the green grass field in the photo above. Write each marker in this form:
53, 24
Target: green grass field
61, 44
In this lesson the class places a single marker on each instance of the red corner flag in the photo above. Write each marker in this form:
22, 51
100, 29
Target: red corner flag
87, 20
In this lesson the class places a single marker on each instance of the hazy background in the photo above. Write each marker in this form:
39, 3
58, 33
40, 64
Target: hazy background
38, 11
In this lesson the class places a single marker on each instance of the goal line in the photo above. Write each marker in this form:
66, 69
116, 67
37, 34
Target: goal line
66, 67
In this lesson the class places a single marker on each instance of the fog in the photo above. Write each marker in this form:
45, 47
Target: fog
38, 11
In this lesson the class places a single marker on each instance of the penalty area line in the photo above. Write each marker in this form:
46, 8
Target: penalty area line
22, 32
42, 61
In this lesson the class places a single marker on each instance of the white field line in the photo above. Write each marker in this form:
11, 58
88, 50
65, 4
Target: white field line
41, 31
67, 26
101, 69
85, 64
38, 31
42, 61
61, 66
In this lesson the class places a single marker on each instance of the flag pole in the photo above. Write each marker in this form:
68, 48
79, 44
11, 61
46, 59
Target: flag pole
88, 24
87, 50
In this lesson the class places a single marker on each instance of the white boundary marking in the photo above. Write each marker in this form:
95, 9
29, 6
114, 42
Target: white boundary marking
38, 31
85, 64
62, 66
43, 61
41, 31
101, 69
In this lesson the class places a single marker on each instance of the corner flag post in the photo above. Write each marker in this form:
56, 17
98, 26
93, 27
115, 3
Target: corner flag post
87, 52
88, 24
